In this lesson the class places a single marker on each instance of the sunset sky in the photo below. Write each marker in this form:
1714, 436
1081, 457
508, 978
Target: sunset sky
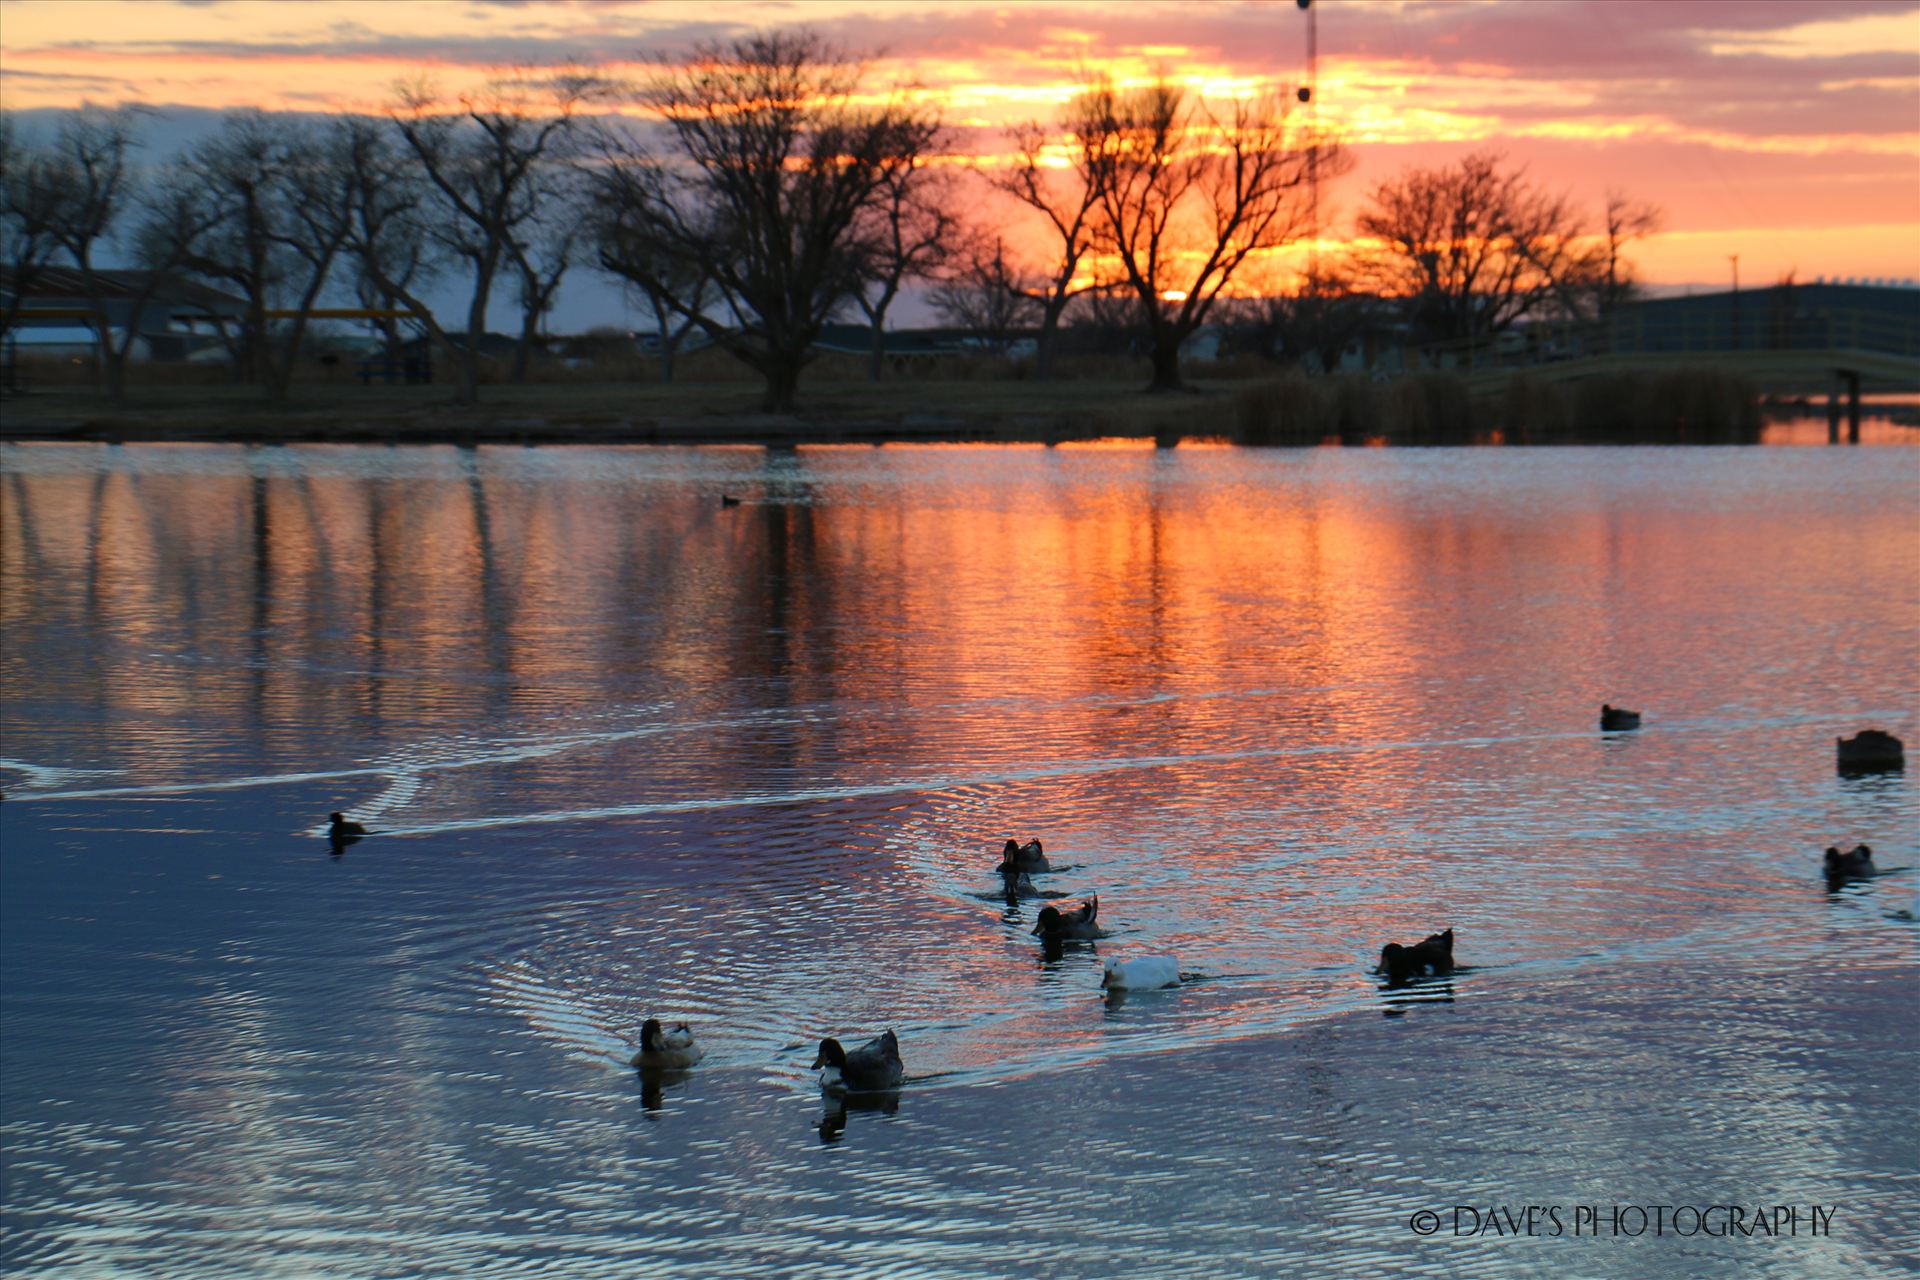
1787, 133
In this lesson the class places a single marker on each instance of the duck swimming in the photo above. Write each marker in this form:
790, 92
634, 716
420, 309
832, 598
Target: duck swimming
1017, 885
339, 829
1857, 861
1870, 751
664, 1049
1023, 857
1613, 719
1142, 973
1060, 926
874, 1065
1433, 954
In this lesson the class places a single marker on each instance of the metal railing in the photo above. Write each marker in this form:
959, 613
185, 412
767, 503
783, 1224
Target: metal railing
1764, 325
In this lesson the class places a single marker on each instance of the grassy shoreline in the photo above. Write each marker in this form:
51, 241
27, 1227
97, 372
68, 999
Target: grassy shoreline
609, 413
1671, 406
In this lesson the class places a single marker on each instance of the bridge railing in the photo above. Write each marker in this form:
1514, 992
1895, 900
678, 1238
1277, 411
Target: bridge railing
1765, 325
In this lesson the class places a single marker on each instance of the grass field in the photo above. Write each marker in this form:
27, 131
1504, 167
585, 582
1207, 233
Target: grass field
608, 412
1101, 400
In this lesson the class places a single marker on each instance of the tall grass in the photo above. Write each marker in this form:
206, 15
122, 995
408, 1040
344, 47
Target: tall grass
1664, 406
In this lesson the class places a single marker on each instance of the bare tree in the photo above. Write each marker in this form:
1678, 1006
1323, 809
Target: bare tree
677, 287
393, 253
542, 258
779, 155
906, 233
91, 163
1069, 200
1188, 195
1315, 325
988, 295
33, 201
1625, 220
480, 157
1109, 321
278, 197
1473, 247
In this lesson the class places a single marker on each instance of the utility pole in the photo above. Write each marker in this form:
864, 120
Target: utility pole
1734, 258
1309, 94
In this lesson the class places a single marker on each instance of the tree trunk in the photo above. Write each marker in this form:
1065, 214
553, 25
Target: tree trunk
466, 387
523, 350
877, 355
1166, 365
666, 358
783, 381
1049, 330
113, 367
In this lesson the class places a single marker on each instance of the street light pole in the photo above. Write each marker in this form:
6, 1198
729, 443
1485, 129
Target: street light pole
1734, 258
1309, 94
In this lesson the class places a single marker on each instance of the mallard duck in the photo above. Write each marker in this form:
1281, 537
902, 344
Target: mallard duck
1142, 973
1015, 885
1616, 718
664, 1049
1857, 861
1058, 926
1870, 750
1022, 857
874, 1065
338, 828
1432, 954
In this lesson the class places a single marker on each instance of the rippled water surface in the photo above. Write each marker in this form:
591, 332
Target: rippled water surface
631, 751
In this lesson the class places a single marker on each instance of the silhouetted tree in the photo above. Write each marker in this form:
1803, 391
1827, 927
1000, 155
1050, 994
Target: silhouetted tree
276, 204
677, 287
779, 157
543, 255
906, 232
1068, 199
32, 206
481, 158
1624, 221
1188, 195
91, 164
393, 252
1314, 326
987, 295
1473, 247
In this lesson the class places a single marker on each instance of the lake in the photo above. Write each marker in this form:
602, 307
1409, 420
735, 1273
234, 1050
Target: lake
632, 750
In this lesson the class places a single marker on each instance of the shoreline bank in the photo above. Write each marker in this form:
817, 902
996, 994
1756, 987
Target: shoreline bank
1287, 410
613, 413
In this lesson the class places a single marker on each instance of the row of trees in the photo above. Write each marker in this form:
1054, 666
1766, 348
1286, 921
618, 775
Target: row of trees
771, 192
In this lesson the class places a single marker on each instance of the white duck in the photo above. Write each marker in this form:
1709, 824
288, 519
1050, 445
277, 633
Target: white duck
1142, 973
666, 1050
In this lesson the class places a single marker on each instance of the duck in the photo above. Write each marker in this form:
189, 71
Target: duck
1023, 857
338, 828
1142, 973
667, 1049
1617, 718
1432, 954
1870, 750
1015, 885
1857, 861
728, 500
1056, 925
874, 1065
